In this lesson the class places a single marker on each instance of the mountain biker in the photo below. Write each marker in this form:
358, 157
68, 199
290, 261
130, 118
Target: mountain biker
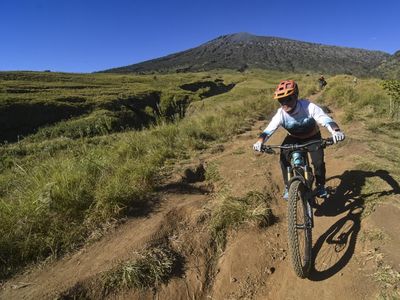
322, 82
300, 118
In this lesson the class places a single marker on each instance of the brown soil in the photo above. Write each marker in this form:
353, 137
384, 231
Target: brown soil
255, 263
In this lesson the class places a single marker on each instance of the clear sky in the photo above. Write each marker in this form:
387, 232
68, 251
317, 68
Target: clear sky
93, 35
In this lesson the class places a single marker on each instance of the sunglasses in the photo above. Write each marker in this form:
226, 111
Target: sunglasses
285, 101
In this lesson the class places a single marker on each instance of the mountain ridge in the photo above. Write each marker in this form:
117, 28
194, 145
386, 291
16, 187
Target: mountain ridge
240, 51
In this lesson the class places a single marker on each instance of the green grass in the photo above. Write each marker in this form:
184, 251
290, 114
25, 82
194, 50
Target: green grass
367, 100
239, 151
373, 235
99, 103
368, 103
68, 181
212, 174
389, 282
60, 187
151, 268
231, 212
147, 269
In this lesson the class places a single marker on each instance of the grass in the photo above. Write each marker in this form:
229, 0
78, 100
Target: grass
387, 278
231, 212
148, 269
66, 181
239, 151
99, 103
369, 103
389, 281
365, 101
58, 191
373, 235
152, 267
212, 174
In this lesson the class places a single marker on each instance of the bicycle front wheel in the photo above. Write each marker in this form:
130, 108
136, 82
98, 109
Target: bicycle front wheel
299, 229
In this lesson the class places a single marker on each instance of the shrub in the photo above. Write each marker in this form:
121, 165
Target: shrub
234, 211
152, 267
392, 87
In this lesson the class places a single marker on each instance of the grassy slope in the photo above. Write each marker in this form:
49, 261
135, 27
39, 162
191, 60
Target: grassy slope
89, 104
58, 192
368, 103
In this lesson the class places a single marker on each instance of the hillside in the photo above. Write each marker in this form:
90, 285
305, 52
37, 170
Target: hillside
182, 207
242, 50
391, 66
74, 106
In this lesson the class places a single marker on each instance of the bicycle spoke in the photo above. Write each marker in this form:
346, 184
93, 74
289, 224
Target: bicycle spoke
299, 229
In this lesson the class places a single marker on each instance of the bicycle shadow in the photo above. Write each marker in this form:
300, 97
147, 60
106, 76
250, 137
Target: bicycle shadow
334, 249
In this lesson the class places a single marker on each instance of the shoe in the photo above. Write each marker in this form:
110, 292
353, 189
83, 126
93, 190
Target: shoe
321, 191
286, 194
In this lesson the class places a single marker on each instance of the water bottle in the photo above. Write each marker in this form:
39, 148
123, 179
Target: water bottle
297, 159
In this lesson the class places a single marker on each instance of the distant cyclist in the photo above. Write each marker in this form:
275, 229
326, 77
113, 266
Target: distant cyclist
322, 82
300, 118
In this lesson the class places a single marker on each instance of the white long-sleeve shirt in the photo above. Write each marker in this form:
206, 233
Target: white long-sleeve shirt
302, 122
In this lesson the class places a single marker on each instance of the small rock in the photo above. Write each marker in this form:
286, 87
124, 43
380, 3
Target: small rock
270, 270
233, 279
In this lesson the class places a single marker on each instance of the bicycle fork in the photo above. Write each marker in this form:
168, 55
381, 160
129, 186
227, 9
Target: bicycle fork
309, 217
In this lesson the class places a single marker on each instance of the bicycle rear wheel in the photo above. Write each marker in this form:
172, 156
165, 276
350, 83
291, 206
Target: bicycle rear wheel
299, 229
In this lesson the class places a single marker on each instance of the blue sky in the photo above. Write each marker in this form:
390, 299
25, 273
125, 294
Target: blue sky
88, 35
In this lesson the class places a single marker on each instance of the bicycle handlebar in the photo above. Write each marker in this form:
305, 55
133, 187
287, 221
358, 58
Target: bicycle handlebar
322, 142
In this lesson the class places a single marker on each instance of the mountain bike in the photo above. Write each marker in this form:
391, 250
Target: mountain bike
300, 202
322, 83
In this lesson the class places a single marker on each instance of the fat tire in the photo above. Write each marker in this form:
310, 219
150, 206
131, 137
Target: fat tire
301, 262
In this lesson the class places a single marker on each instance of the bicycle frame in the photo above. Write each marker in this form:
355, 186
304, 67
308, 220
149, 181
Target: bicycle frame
300, 170
300, 200
300, 165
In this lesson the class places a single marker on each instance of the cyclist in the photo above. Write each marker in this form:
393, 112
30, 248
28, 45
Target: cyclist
300, 118
322, 82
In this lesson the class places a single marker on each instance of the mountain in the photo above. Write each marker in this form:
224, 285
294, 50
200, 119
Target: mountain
243, 50
390, 68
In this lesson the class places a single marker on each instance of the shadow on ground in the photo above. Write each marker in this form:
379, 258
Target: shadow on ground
334, 248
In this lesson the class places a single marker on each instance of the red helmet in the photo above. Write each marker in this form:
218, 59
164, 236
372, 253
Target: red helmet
286, 88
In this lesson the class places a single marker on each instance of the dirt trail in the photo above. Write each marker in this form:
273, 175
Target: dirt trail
134, 235
337, 272
255, 263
